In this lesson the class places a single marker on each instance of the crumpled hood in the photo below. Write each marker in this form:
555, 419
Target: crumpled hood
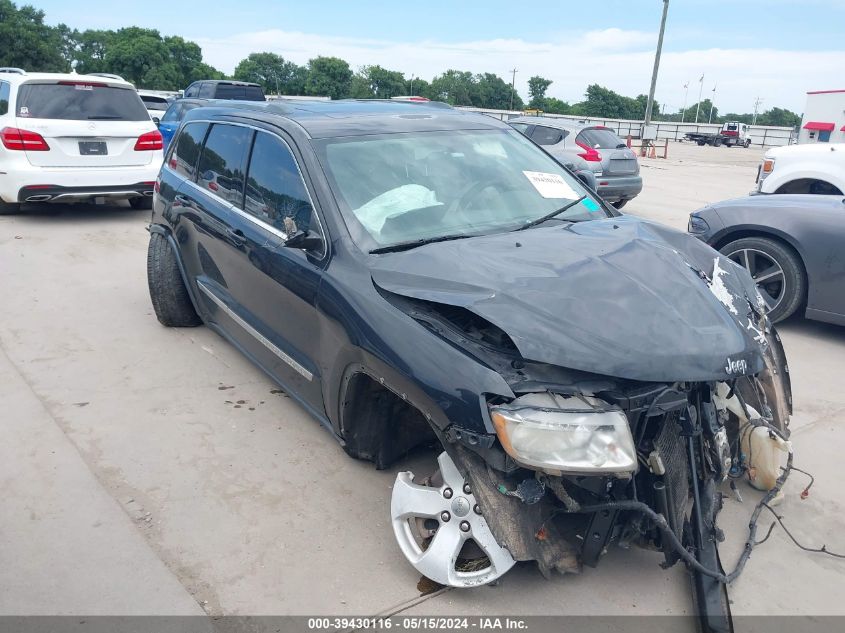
619, 296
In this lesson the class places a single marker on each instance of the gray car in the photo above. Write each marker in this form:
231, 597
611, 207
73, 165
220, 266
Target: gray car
593, 147
792, 246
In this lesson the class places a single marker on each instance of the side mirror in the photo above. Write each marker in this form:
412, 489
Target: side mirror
156, 120
306, 240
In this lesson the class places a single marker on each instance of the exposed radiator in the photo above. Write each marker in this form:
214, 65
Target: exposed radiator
672, 450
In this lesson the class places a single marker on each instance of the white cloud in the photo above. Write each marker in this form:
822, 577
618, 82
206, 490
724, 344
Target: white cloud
618, 59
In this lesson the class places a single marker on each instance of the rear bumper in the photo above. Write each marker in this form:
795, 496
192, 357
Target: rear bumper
616, 188
56, 193
18, 182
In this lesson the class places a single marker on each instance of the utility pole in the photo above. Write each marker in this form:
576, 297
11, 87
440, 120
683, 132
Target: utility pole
686, 92
650, 102
412, 85
513, 86
757, 103
700, 87
712, 102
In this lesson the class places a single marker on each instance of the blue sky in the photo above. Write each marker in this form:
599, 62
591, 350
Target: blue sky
775, 49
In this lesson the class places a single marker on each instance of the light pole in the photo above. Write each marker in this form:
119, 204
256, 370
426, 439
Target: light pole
513, 86
686, 92
412, 84
712, 103
698, 105
650, 102
757, 103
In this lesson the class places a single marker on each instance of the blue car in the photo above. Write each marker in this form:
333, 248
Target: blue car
169, 123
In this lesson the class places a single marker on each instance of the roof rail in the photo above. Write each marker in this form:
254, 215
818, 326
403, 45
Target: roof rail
107, 76
10, 69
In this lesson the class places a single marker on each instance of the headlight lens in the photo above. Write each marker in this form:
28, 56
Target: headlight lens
697, 224
573, 434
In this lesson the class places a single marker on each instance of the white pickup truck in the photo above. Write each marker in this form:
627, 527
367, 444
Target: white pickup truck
817, 168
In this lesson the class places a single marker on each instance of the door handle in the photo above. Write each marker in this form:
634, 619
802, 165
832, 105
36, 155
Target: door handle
236, 236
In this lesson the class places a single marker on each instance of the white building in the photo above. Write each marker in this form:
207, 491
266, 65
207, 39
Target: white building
824, 117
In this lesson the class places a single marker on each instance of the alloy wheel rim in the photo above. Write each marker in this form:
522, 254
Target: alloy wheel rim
454, 508
766, 272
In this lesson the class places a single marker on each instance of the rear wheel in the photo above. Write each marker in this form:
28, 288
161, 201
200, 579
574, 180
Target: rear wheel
700, 142
717, 142
141, 202
775, 268
9, 208
168, 294
620, 204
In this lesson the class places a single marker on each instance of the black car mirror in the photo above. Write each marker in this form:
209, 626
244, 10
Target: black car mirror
156, 120
306, 240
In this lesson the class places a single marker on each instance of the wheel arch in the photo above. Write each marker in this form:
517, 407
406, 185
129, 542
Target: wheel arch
803, 185
377, 420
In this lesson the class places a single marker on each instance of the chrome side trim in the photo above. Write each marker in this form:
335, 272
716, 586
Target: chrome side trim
255, 333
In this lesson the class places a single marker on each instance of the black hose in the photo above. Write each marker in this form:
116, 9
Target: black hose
661, 523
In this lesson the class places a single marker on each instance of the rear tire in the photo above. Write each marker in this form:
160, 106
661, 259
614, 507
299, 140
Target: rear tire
717, 142
141, 203
620, 204
700, 143
168, 294
9, 208
794, 281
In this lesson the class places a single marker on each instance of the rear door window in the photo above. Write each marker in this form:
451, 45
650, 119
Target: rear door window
80, 101
543, 135
520, 127
276, 193
221, 166
600, 138
186, 155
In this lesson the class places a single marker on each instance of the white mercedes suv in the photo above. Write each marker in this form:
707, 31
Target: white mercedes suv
67, 138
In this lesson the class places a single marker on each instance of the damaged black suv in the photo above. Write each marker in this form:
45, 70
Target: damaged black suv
411, 274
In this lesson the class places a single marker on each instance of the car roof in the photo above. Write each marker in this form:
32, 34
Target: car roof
355, 117
558, 123
232, 82
17, 78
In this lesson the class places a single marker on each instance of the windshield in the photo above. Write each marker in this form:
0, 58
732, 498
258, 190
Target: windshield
400, 188
80, 101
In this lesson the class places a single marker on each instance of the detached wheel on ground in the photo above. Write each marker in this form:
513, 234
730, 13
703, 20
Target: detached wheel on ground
144, 202
776, 269
9, 208
168, 294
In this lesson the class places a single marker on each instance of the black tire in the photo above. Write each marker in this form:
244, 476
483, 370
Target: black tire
700, 143
794, 282
717, 142
168, 294
748, 143
9, 208
145, 202
620, 204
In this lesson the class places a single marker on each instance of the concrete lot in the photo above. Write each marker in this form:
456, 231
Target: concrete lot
150, 470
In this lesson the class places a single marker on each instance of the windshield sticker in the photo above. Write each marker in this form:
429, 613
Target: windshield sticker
550, 185
591, 205
24, 111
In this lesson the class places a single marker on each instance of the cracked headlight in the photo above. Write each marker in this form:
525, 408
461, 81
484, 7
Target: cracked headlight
573, 434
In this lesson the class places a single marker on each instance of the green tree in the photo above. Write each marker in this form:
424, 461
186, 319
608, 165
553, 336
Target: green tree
378, 83
537, 87
780, 117
491, 91
703, 113
273, 72
90, 52
28, 43
328, 77
454, 87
